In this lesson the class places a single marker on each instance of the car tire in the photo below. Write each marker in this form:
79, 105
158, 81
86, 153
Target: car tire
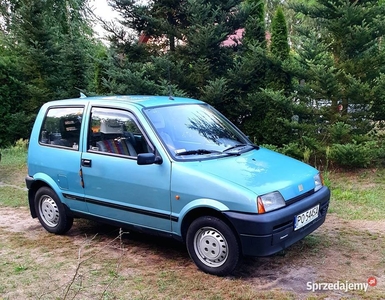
213, 246
50, 212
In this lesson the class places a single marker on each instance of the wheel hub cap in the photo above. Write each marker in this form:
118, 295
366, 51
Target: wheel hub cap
211, 247
49, 211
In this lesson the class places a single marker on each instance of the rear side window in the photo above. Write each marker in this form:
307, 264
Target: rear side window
61, 127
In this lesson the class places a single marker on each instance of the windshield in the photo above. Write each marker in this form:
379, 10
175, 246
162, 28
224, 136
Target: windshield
194, 130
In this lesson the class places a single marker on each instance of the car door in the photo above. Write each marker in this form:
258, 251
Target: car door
57, 160
115, 186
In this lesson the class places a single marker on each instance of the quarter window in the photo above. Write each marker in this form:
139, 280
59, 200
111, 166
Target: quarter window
115, 131
61, 127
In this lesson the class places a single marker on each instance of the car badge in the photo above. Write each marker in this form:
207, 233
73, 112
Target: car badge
300, 187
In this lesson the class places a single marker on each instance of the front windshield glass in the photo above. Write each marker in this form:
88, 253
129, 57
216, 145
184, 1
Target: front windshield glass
194, 129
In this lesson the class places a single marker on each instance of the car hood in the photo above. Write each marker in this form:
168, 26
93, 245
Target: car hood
263, 171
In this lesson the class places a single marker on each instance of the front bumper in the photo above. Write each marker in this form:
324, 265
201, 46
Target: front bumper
269, 233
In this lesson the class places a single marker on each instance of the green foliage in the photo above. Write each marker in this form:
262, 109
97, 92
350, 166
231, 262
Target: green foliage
279, 46
12, 93
46, 55
167, 88
270, 147
215, 92
269, 121
378, 107
279, 72
340, 133
380, 150
336, 56
293, 150
353, 155
199, 74
100, 68
301, 150
156, 19
17, 126
255, 30
322, 91
16, 152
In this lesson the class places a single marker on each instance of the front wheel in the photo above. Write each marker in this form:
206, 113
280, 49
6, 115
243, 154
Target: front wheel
213, 246
51, 212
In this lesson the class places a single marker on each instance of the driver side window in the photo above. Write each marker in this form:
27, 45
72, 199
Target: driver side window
115, 131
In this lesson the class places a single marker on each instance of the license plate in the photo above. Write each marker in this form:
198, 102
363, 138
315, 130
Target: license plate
306, 217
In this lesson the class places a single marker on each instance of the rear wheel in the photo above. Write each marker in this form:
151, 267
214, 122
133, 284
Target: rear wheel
213, 246
51, 212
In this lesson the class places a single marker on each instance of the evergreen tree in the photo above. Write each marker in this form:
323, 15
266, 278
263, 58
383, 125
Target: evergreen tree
49, 38
205, 56
259, 84
279, 73
378, 107
47, 46
248, 71
255, 29
76, 47
351, 34
185, 40
279, 46
315, 86
15, 122
161, 20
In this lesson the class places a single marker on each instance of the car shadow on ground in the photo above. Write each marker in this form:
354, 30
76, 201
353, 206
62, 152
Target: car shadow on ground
165, 247
268, 271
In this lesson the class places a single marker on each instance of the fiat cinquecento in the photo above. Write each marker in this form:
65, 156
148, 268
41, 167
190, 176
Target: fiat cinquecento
174, 167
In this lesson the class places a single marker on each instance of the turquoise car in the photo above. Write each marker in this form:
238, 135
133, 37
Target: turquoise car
173, 167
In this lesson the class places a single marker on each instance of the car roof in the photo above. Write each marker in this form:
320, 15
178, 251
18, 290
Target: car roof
136, 100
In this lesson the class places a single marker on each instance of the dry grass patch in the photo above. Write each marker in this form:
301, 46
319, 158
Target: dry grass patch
94, 262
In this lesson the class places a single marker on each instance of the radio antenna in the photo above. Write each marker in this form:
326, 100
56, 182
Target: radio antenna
170, 96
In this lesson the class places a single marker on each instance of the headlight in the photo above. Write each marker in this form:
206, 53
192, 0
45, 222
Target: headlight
270, 202
318, 181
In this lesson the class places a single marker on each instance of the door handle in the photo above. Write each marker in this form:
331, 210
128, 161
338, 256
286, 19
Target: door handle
86, 163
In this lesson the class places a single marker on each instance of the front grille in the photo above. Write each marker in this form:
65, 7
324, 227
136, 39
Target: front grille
300, 197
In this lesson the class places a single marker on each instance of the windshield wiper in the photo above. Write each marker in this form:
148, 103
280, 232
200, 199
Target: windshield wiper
206, 151
196, 152
241, 145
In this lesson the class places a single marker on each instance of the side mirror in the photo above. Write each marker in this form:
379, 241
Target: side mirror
148, 159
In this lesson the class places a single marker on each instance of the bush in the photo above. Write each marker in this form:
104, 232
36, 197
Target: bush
14, 127
340, 133
298, 151
354, 155
294, 150
380, 150
271, 147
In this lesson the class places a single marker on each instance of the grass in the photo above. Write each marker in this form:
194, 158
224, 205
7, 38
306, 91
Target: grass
12, 197
13, 170
92, 262
13, 167
358, 195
